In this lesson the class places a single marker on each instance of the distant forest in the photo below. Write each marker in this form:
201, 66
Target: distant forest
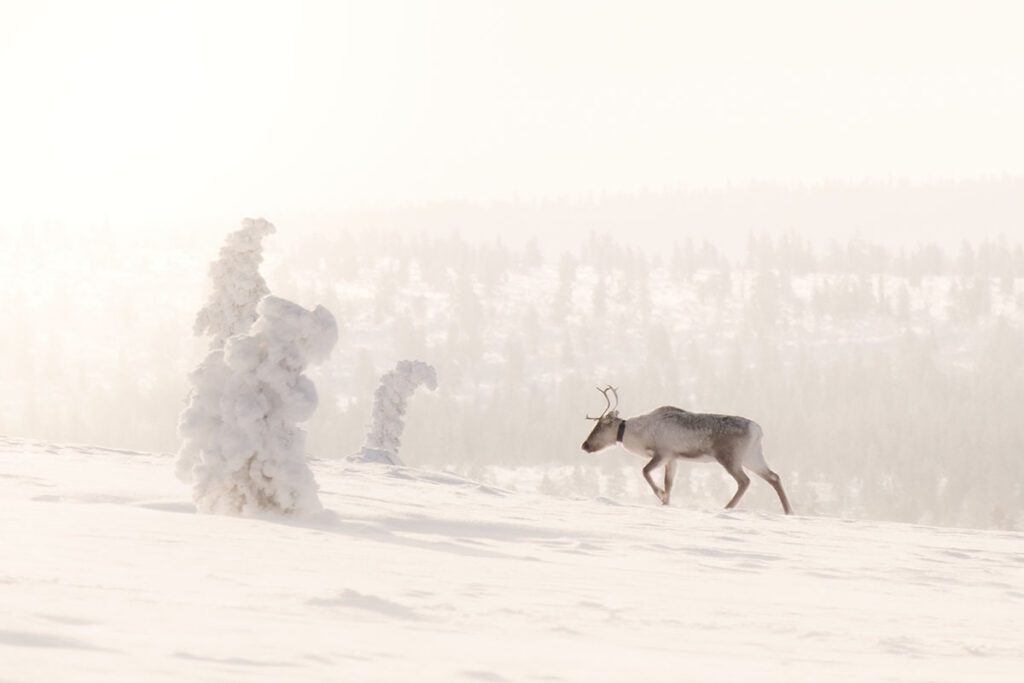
889, 381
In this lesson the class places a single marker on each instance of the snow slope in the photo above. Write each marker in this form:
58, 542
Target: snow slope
107, 573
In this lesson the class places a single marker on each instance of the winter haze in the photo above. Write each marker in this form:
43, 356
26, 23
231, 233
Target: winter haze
329, 286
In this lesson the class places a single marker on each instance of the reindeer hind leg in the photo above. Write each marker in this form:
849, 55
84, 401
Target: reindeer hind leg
776, 482
756, 462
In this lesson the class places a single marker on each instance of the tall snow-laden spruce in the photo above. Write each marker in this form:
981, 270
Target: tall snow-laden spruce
230, 310
389, 406
242, 446
253, 455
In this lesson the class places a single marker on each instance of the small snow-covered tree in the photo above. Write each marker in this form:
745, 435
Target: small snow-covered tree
247, 400
389, 406
230, 310
237, 284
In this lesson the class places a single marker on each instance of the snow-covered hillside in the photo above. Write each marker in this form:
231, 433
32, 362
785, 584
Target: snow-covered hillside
108, 574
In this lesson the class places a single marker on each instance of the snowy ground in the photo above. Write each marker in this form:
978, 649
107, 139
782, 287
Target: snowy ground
106, 573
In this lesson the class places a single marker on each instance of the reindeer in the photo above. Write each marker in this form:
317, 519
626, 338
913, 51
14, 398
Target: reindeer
668, 434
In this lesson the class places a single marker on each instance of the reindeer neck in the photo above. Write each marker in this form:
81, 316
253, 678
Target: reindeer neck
622, 431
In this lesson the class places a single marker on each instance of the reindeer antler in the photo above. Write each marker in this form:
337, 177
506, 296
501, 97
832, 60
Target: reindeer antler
608, 401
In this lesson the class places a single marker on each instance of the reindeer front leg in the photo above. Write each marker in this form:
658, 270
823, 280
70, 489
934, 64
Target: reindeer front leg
670, 477
650, 467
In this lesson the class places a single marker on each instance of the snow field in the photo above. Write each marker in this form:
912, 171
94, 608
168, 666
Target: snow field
108, 574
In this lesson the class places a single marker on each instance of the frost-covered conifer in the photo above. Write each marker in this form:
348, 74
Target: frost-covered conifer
242, 421
237, 284
230, 310
389, 405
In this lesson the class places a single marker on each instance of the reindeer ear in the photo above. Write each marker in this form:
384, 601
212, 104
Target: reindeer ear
614, 414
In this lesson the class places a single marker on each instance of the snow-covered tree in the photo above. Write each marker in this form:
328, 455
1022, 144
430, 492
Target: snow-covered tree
241, 423
389, 406
237, 284
230, 310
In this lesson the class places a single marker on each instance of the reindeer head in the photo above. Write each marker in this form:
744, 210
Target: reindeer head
607, 427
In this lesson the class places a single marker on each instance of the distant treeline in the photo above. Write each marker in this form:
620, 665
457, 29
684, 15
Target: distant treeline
889, 381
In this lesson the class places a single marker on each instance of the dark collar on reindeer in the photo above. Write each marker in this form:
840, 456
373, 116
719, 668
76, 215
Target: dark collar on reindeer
622, 431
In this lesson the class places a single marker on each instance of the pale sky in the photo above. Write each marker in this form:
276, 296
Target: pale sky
127, 111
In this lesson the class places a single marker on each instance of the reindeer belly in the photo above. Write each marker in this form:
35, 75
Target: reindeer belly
687, 444
697, 456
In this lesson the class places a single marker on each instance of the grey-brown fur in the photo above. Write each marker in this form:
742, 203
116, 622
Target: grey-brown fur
669, 434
